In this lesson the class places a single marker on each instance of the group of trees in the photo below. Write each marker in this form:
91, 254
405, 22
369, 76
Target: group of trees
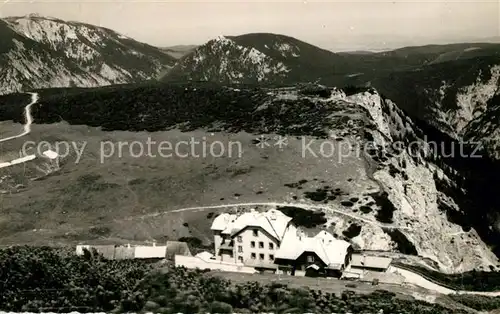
190, 106
45, 279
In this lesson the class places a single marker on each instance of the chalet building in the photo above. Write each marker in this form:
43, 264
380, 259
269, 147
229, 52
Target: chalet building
270, 241
251, 239
321, 255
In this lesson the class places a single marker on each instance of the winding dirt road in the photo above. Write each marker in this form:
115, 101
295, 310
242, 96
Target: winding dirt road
418, 280
301, 205
27, 116
26, 130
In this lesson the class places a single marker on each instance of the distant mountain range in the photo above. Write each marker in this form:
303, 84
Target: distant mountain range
38, 52
450, 85
271, 58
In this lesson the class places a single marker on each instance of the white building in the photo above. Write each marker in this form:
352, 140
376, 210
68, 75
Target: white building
251, 238
322, 253
269, 240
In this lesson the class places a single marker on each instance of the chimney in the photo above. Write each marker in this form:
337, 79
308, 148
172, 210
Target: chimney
273, 215
128, 245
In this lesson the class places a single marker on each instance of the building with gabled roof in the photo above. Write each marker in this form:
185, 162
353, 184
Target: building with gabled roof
270, 241
251, 238
323, 253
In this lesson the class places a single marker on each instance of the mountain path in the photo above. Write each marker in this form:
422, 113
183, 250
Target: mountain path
418, 280
301, 205
26, 130
27, 116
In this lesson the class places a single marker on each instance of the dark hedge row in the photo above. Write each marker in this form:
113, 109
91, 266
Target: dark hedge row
190, 291
43, 279
187, 106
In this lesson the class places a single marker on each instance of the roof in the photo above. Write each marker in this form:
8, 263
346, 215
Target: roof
222, 221
313, 266
330, 250
150, 251
367, 261
273, 222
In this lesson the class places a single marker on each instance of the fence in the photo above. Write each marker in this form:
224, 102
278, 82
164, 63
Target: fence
423, 275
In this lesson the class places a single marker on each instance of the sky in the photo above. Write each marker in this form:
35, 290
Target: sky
335, 25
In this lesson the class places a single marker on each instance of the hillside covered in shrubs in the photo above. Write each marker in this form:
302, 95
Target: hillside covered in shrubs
44, 279
152, 107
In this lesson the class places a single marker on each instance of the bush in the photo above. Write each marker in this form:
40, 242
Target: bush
220, 307
205, 293
89, 283
304, 217
44, 278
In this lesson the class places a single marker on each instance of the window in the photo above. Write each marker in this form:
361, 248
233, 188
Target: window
240, 249
310, 259
240, 239
252, 244
261, 245
240, 259
255, 233
261, 256
231, 254
253, 256
271, 257
271, 246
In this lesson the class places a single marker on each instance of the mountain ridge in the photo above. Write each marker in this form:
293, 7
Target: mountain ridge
388, 186
46, 52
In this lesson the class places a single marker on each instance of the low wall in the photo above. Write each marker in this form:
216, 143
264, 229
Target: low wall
194, 262
423, 275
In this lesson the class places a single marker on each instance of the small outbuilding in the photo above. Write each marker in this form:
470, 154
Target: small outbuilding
372, 263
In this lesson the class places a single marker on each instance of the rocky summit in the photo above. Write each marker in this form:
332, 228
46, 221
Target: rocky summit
41, 52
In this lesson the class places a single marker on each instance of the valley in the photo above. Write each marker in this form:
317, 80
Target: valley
364, 183
111, 141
